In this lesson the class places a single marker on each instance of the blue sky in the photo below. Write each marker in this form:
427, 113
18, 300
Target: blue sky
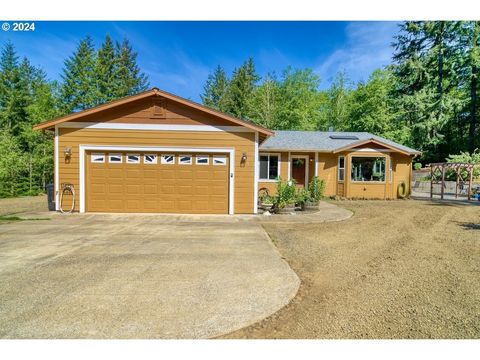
178, 56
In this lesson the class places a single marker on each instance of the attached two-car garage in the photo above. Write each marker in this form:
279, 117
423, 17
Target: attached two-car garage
152, 181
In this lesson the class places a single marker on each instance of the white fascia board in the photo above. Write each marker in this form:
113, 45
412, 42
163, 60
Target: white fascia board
157, 127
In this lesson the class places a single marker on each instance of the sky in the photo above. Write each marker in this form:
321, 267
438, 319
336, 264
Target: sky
178, 56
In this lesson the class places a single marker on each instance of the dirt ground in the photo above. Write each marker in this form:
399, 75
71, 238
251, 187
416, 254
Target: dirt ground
396, 269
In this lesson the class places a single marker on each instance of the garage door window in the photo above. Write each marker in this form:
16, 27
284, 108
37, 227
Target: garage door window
185, 160
133, 158
219, 160
115, 158
150, 159
168, 159
202, 159
98, 158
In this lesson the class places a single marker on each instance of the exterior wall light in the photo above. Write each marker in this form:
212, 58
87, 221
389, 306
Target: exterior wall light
244, 157
67, 152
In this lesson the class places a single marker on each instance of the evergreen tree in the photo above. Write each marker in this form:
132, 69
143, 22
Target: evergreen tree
241, 89
215, 90
129, 79
106, 69
79, 88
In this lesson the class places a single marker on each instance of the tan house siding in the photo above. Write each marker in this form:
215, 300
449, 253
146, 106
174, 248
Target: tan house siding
243, 142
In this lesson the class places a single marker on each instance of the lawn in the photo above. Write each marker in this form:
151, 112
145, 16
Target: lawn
397, 269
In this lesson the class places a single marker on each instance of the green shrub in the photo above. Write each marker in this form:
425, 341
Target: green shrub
464, 157
316, 189
286, 193
417, 166
302, 196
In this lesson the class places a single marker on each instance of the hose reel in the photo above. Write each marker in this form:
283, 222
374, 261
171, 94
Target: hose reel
68, 189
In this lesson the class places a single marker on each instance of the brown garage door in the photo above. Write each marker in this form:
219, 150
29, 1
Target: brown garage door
157, 182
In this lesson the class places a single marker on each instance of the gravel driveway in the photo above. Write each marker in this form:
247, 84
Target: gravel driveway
397, 269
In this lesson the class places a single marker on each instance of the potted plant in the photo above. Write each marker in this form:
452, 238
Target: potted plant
302, 197
285, 198
316, 189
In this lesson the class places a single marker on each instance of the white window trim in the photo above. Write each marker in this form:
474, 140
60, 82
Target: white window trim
307, 165
390, 169
162, 157
203, 157
150, 163
255, 176
224, 157
185, 163
338, 169
115, 162
278, 165
133, 162
57, 172
229, 151
97, 154
368, 182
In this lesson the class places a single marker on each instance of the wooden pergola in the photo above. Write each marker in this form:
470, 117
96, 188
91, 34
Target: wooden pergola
461, 180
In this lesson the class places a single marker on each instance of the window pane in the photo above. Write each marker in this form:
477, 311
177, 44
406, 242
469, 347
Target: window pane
150, 159
133, 158
98, 158
263, 166
341, 174
115, 158
273, 168
202, 159
219, 160
185, 159
341, 162
368, 169
167, 159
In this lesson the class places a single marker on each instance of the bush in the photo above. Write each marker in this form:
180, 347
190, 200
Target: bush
464, 157
316, 189
417, 166
286, 193
302, 196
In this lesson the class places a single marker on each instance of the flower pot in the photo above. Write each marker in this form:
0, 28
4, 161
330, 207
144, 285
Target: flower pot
289, 209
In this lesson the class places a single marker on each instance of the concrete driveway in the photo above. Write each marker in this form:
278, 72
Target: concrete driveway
136, 276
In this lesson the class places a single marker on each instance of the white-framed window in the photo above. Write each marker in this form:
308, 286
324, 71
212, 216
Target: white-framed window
150, 159
133, 158
167, 159
202, 159
368, 168
97, 158
341, 168
269, 166
220, 160
185, 159
115, 158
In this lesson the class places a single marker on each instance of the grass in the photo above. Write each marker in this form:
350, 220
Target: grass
16, 218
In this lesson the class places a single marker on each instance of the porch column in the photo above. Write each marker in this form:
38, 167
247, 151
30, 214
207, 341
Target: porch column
289, 166
316, 164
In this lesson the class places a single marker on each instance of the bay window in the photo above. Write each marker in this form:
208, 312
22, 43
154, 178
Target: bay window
368, 168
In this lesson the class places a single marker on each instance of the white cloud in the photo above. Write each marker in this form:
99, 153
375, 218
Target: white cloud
368, 47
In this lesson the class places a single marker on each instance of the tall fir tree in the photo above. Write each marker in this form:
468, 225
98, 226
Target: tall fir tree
79, 88
241, 89
106, 70
129, 79
215, 90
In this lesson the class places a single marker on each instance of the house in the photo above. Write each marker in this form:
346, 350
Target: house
157, 152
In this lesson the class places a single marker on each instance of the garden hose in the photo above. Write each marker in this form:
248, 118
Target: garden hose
402, 190
69, 188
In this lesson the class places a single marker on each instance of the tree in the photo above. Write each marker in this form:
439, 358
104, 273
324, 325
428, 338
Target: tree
300, 100
372, 108
335, 108
79, 88
215, 90
12, 165
129, 79
427, 64
266, 103
241, 89
106, 68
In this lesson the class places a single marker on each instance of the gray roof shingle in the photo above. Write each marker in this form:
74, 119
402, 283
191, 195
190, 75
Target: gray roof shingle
322, 140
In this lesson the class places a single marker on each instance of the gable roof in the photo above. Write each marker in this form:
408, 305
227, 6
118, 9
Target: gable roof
328, 141
146, 94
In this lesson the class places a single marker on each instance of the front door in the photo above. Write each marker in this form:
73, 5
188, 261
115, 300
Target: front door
299, 168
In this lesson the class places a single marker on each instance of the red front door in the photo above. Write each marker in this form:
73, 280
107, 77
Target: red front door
298, 170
